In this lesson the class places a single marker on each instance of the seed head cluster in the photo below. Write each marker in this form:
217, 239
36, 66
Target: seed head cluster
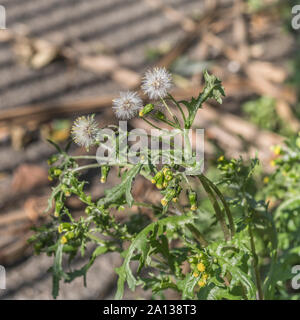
85, 131
156, 83
127, 105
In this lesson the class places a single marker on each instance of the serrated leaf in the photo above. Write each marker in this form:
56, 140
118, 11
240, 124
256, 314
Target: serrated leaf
138, 244
123, 190
217, 293
231, 257
187, 286
82, 272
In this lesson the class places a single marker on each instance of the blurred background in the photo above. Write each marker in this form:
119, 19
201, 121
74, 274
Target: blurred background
63, 58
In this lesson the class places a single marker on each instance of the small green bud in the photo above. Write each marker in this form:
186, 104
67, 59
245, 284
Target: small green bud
148, 108
70, 235
157, 177
88, 210
160, 180
192, 195
104, 173
52, 159
159, 115
57, 172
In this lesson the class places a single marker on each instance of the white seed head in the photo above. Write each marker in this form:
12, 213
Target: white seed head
85, 131
127, 105
156, 83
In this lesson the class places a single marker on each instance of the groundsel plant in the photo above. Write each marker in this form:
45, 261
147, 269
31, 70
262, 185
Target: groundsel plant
173, 247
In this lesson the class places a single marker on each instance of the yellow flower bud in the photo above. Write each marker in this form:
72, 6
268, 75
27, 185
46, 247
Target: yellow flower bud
164, 202
273, 163
277, 150
266, 180
201, 283
194, 207
201, 267
204, 276
103, 179
63, 240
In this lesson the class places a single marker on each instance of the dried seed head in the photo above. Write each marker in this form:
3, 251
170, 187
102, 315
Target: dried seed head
156, 83
85, 131
127, 105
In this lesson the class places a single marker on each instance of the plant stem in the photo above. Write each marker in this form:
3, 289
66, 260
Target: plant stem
179, 107
168, 122
167, 107
187, 143
146, 205
255, 264
201, 99
218, 211
225, 204
84, 157
89, 166
151, 124
198, 235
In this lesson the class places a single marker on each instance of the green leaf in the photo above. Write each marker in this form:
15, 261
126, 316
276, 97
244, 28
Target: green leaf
121, 191
213, 89
57, 270
82, 272
217, 293
290, 204
187, 286
232, 257
56, 146
139, 244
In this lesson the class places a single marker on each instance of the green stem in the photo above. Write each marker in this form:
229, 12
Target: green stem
225, 204
84, 157
198, 235
89, 166
179, 107
151, 124
181, 111
167, 107
192, 113
187, 143
218, 211
168, 122
146, 205
255, 264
